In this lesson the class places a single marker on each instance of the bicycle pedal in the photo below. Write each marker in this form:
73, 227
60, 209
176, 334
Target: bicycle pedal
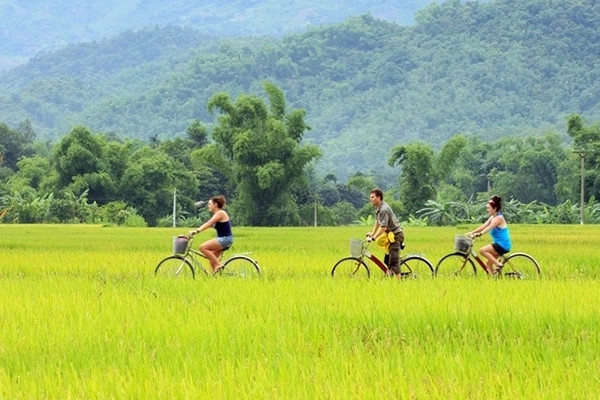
514, 275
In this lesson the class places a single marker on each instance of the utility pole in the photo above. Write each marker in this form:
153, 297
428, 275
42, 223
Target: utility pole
174, 207
582, 154
315, 216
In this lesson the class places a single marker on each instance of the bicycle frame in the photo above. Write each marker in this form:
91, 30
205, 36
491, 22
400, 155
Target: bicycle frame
357, 265
472, 254
195, 256
376, 260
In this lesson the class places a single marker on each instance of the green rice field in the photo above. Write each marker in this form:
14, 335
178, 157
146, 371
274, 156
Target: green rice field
83, 317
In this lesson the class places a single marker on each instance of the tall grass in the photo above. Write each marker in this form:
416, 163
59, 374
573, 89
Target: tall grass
81, 316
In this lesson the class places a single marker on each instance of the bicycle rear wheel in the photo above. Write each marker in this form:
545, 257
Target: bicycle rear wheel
241, 267
350, 267
416, 267
455, 264
175, 267
521, 266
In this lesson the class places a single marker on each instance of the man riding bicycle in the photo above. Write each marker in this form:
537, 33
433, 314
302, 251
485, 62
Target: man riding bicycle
385, 222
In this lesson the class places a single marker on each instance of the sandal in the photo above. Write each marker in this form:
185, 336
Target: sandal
496, 269
218, 270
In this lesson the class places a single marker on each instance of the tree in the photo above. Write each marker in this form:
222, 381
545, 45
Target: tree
528, 168
196, 133
80, 160
344, 213
15, 144
358, 188
266, 154
213, 171
78, 153
448, 157
149, 180
586, 142
417, 176
31, 172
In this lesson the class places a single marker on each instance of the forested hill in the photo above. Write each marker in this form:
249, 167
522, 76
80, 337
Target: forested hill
32, 26
500, 68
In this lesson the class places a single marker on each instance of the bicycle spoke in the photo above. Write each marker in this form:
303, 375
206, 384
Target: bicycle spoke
350, 267
240, 267
454, 265
416, 267
175, 267
521, 266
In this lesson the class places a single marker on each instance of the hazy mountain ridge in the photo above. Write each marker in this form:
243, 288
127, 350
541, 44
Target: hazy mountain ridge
41, 26
491, 69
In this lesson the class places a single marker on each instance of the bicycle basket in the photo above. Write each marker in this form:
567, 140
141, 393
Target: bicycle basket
356, 247
180, 244
463, 243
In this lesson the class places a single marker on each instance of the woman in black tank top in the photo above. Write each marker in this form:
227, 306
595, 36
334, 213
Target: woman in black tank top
213, 248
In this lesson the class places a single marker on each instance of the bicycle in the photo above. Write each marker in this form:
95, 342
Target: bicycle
185, 261
515, 265
356, 265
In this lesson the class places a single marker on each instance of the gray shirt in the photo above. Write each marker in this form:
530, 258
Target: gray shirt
386, 217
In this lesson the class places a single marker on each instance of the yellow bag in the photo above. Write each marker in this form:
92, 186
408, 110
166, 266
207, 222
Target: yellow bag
384, 241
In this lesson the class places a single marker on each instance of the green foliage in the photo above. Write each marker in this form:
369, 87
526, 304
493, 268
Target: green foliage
26, 207
488, 69
134, 221
42, 28
528, 168
149, 181
587, 146
325, 216
119, 213
81, 164
522, 170
15, 144
417, 176
368, 221
449, 213
344, 213
70, 208
416, 221
266, 156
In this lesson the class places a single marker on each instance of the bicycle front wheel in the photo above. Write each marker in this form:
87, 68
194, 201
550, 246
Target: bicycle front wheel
521, 266
455, 264
416, 267
175, 267
350, 267
241, 267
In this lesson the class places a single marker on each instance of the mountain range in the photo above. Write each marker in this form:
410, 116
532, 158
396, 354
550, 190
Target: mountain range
34, 26
479, 68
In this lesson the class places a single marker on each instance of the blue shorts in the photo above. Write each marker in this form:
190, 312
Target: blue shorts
225, 241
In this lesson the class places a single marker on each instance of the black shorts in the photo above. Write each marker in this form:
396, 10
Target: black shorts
499, 249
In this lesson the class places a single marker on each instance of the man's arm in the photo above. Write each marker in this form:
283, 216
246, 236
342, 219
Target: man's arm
374, 233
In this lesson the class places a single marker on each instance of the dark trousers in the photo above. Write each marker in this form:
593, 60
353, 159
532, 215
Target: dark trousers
392, 259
